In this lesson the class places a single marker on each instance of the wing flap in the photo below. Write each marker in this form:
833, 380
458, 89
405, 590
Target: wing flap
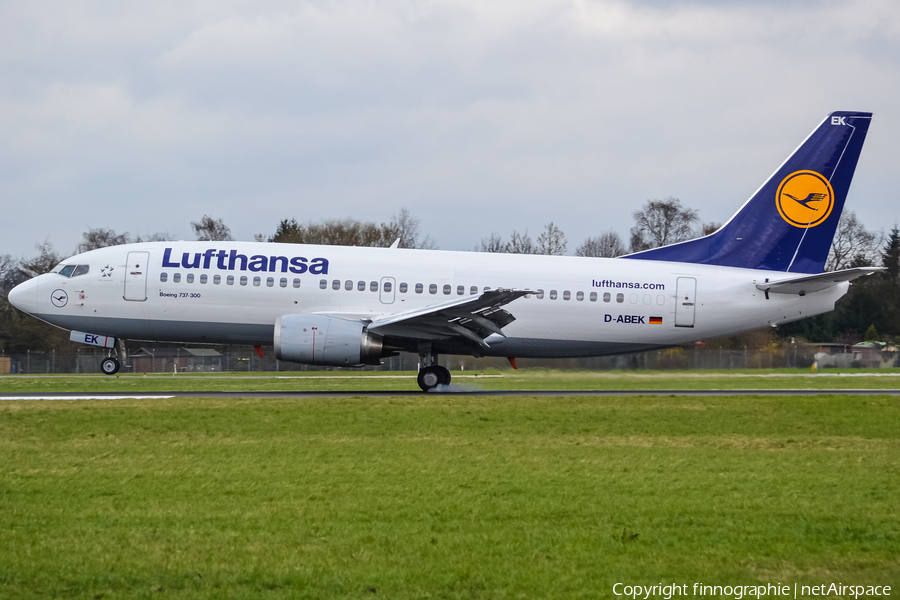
472, 318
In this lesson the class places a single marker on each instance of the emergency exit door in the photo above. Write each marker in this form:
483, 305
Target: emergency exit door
136, 276
685, 299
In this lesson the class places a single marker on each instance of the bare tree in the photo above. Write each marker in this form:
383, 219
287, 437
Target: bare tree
406, 228
156, 237
709, 228
211, 230
492, 243
101, 238
552, 241
662, 222
853, 245
43, 263
520, 243
352, 232
605, 245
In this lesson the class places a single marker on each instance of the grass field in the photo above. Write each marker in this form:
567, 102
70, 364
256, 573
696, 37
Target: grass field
444, 497
524, 379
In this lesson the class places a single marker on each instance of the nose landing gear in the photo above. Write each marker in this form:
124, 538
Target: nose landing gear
110, 365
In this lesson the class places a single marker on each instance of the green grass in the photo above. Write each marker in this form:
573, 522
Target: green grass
492, 379
444, 497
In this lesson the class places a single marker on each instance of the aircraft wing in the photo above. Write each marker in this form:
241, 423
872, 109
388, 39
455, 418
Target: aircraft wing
815, 283
473, 318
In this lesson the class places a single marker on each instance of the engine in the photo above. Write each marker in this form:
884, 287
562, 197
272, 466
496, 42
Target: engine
322, 340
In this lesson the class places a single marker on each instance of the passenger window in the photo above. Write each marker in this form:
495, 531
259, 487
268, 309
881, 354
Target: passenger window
419, 288
176, 278
473, 290
270, 282
620, 298
296, 282
593, 296
486, 289
348, 285
553, 294
243, 280
447, 290
606, 297
579, 296
163, 277
217, 279
81, 270
257, 280
189, 278
647, 299
567, 295
460, 290
539, 295
660, 299
632, 298
336, 284
388, 287
373, 286
432, 289
323, 283
283, 282
403, 287
204, 278
230, 280
361, 286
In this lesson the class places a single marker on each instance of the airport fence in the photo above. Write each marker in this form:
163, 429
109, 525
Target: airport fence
164, 359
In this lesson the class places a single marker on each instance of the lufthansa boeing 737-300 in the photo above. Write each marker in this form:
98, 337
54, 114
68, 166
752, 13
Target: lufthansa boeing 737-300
352, 306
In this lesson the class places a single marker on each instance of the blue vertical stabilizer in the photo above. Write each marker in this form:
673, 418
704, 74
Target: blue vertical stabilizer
789, 223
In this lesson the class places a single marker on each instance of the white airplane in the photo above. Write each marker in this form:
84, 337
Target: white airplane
352, 306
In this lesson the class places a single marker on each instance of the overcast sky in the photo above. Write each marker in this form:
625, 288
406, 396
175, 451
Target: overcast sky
477, 116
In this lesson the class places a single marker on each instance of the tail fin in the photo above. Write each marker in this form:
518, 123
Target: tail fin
789, 223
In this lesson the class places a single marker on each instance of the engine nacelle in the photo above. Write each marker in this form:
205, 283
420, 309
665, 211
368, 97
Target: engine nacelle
322, 340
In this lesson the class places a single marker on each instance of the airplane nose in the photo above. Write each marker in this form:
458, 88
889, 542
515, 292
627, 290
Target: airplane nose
25, 296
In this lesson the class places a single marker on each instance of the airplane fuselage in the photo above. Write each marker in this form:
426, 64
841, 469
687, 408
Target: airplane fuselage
233, 293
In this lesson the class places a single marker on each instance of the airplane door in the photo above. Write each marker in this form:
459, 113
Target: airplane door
386, 290
685, 297
136, 276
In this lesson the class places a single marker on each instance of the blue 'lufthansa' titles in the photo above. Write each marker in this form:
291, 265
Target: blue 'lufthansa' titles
232, 261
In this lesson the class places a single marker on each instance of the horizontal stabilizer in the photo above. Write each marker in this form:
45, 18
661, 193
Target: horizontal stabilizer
815, 283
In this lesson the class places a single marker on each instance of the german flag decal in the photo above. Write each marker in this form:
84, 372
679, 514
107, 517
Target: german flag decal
656, 320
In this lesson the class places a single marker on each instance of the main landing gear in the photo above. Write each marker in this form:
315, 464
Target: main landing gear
431, 374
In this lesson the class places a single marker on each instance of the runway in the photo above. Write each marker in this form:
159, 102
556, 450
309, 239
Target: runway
450, 392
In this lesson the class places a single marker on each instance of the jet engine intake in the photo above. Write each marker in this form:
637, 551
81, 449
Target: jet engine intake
323, 340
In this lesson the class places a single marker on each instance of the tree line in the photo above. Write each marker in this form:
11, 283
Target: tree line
869, 311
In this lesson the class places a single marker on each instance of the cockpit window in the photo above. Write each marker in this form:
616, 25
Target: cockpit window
71, 270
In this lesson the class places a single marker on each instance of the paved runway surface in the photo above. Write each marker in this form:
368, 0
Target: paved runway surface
451, 392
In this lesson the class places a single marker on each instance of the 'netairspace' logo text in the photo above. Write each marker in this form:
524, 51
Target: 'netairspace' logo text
749, 591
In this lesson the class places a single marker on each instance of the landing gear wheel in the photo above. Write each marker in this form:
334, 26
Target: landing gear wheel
109, 366
445, 375
430, 377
